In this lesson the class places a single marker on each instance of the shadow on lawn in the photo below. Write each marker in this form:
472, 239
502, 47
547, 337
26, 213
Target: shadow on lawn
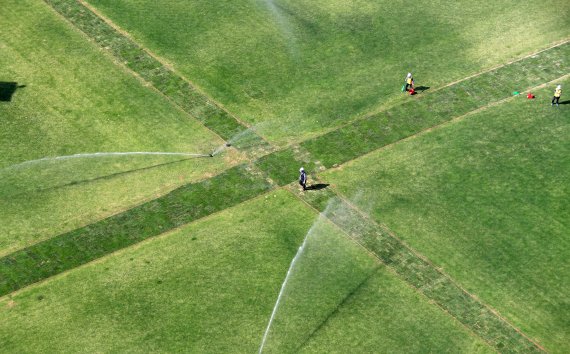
7, 90
565, 102
109, 176
317, 187
420, 89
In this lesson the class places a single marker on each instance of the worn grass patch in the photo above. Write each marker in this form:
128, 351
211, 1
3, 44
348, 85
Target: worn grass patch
152, 218
484, 199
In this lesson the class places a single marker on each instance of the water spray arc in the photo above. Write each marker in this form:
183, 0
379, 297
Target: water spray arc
321, 218
283, 286
103, 154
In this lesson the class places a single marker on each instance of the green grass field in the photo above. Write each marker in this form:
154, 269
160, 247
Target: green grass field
203, 281
483, 199
433, 223
297, 68
76, 100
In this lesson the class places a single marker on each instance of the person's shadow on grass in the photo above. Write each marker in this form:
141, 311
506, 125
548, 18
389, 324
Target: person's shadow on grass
317, 187
565, 102
7, 90
420, 89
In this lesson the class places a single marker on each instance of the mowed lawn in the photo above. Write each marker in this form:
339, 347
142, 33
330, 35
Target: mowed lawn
211, 286
296, 68
77, 100
486, 199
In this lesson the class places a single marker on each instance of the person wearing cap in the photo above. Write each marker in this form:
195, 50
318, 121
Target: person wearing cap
557, 94
409, 81
303, 178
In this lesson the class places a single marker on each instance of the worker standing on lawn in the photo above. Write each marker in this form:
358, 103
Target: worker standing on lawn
303, 179
409, 82
557, 94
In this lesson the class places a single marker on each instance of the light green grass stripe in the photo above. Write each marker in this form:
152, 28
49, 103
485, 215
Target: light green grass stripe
425, 277
425, 111
136, 58
80, 246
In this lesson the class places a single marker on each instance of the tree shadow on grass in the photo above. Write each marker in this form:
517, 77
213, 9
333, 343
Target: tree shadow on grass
7, 90
317, 187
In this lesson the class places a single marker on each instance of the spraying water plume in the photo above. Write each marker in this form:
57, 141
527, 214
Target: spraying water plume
321, 218
284, 26
238, 139
102, 154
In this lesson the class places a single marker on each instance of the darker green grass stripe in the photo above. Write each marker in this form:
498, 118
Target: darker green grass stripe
426, 278
180, 91
179, 207
283, 166
425, 111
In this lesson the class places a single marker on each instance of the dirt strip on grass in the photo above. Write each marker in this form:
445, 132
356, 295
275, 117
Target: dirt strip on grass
179, 90
179, 207
422, 275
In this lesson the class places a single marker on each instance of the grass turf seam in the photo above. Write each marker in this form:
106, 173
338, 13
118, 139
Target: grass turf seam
451, 121
139, 244
162, 61
423, 276
362, 136
178, 207
179, 90
373, 254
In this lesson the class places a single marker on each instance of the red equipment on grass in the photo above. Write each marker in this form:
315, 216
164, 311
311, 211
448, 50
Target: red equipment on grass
412, 91
530, 96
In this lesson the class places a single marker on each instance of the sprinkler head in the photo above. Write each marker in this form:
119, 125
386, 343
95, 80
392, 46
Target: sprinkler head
211, 155
228, 144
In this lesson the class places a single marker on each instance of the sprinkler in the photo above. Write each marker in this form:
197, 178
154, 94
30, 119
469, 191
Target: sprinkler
228, 144
211, 155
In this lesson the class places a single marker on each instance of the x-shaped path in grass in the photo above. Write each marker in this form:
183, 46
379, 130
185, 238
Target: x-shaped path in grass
194, 201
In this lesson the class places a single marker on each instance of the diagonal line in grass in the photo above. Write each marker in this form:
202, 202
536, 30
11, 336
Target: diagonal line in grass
179, 90
427, 279
335, 310
465, 95
422, 112
179, 207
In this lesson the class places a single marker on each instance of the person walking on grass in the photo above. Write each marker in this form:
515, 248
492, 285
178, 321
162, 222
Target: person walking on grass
557, 94
409, 82
303, 178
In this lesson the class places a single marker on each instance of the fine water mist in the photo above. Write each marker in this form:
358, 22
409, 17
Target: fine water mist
320, 219
100, 154
283, 25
